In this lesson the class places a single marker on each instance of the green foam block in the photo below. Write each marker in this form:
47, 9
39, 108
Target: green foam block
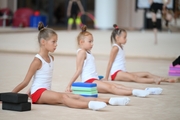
84, 88
85, 93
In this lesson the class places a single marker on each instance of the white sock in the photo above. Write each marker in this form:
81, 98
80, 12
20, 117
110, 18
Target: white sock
140, 93
154, 91
96, 105
119, 101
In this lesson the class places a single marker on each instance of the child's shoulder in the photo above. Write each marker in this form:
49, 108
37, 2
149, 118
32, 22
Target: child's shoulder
36, 62
81, 51
118, 47
115, 46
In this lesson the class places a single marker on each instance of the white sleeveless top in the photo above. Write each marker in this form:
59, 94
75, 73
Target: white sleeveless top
43, 77
119, 61
89, 68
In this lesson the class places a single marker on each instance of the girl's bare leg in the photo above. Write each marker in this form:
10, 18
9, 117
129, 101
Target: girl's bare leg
77, 101
157, 78
129, 77
51, 97
120, 85
105, 87
112, 101
86, 99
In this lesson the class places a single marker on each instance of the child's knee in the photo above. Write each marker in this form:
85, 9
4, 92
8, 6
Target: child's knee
148, 74
135, 77
111, 87
77, 96
64, 98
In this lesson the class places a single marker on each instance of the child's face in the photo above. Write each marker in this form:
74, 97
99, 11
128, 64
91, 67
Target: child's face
51, 43
121, 39
87, 43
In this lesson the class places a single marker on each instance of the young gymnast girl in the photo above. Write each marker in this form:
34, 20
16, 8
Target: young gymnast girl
116, 65
85, 68
41, 69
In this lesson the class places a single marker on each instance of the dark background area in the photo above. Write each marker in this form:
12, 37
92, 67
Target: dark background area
55, 10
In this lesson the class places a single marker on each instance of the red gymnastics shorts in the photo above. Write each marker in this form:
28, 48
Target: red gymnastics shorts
36, 95
90, 80
114, 75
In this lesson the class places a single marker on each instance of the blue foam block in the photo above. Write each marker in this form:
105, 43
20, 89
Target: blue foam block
90, 95
85, 89
101, 77
81, 84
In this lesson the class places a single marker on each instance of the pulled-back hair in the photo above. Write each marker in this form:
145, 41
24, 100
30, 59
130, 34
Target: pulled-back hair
115, 32
83, 33
44, 32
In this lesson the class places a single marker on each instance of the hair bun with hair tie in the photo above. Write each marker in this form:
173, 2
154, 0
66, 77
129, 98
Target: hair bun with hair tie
116, 27
83, 28
40, 26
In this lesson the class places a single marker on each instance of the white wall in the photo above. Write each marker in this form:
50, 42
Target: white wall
128, 18
105, 13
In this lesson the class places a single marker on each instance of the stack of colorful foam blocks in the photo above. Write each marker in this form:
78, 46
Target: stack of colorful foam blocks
174, 70
85, 89
15, 101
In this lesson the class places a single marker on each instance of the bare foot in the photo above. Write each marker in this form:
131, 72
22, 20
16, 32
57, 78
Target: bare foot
178, 79
157, 81
171, 80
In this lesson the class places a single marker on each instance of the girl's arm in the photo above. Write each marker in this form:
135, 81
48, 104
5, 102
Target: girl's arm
81, 56
35, 65
112, 57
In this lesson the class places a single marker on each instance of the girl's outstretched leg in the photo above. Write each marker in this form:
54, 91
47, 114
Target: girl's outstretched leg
121, 101
132, 77
152, 91
105, 87
120, 86
171, 80
155, 79
163, 79
51, 97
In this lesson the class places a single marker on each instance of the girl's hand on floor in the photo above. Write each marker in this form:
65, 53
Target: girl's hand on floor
68, 89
